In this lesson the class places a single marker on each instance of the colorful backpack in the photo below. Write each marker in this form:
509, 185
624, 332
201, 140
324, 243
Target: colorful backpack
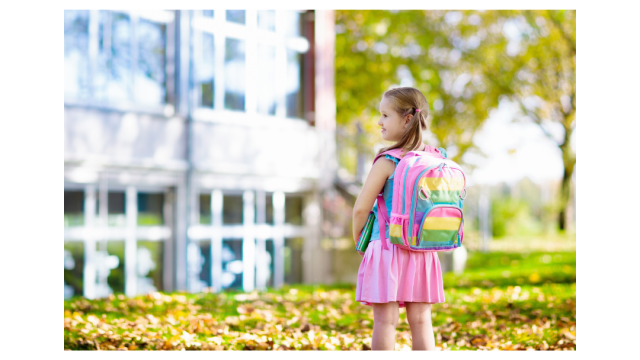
428, 194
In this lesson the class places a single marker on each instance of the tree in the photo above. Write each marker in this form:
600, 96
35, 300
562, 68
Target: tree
533, 62
378, 49
464, 62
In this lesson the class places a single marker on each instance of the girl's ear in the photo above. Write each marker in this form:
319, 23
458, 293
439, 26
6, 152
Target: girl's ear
407, 120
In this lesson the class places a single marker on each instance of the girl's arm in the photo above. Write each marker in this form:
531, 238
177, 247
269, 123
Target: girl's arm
380, 172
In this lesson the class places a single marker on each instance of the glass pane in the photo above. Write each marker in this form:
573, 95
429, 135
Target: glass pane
150, 255
150, 209
205, 209
205, 71
150, 73
293, 210
73, 268
236, 16
293, 84
293, 261
267, 20
232, 263
292, 23
205, 272
116, 278
114, 74
76, 54
116, 206
73, 208
269, 210
207, 13
234, 69
269, 247
266, 79
232, 209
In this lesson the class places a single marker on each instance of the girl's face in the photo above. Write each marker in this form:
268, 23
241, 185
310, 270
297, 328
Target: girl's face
392, 123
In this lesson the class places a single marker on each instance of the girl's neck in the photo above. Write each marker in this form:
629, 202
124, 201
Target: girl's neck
421, 147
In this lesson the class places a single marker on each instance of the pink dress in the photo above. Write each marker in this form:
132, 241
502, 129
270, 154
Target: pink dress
396, 274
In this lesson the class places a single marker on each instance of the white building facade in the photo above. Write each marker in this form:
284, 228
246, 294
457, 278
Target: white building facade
197, 146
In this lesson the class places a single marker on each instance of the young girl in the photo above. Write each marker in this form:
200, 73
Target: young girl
393, 278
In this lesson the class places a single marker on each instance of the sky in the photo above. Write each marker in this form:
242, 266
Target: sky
514, 150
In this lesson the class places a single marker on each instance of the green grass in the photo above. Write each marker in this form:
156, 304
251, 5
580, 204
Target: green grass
505, 268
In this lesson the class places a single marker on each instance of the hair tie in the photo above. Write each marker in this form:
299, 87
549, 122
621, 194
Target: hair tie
417, 110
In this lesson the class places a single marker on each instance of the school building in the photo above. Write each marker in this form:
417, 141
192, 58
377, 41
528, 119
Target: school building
198, 145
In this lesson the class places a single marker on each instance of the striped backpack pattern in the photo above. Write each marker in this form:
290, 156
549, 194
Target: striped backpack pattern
428, 195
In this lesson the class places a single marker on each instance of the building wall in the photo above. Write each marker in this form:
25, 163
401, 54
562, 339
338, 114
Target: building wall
175, 177
124, 138
263, 149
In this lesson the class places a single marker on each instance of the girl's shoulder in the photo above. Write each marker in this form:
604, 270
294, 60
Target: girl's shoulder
383, 168
392, 158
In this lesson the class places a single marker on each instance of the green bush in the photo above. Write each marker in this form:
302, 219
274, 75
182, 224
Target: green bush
512, 216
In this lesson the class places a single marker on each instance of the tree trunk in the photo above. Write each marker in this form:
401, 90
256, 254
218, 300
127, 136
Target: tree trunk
565, 198
360, 160
565, 222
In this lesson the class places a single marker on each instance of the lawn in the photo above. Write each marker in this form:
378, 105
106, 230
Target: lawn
506, 301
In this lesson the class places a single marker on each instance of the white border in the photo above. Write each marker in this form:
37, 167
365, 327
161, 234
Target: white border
32, 133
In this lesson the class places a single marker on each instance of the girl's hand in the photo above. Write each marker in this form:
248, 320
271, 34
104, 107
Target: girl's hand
360, 252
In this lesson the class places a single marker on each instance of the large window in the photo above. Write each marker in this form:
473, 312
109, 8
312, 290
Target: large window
137, 225
249, 61
77, 82
265, 250
114, 57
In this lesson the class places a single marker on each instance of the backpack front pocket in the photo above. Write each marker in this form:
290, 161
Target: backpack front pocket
441, 228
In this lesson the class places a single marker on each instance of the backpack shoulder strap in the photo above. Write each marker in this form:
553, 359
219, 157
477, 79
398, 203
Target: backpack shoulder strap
396, 153
440, 152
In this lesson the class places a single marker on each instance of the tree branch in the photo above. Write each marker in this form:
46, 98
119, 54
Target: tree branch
570, 41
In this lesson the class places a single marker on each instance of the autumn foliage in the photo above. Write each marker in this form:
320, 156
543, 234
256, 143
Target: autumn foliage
537, 315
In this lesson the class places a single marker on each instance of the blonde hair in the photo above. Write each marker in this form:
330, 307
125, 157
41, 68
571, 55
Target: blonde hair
405, 101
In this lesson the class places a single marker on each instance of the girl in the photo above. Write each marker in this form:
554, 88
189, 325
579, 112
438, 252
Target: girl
393, 278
